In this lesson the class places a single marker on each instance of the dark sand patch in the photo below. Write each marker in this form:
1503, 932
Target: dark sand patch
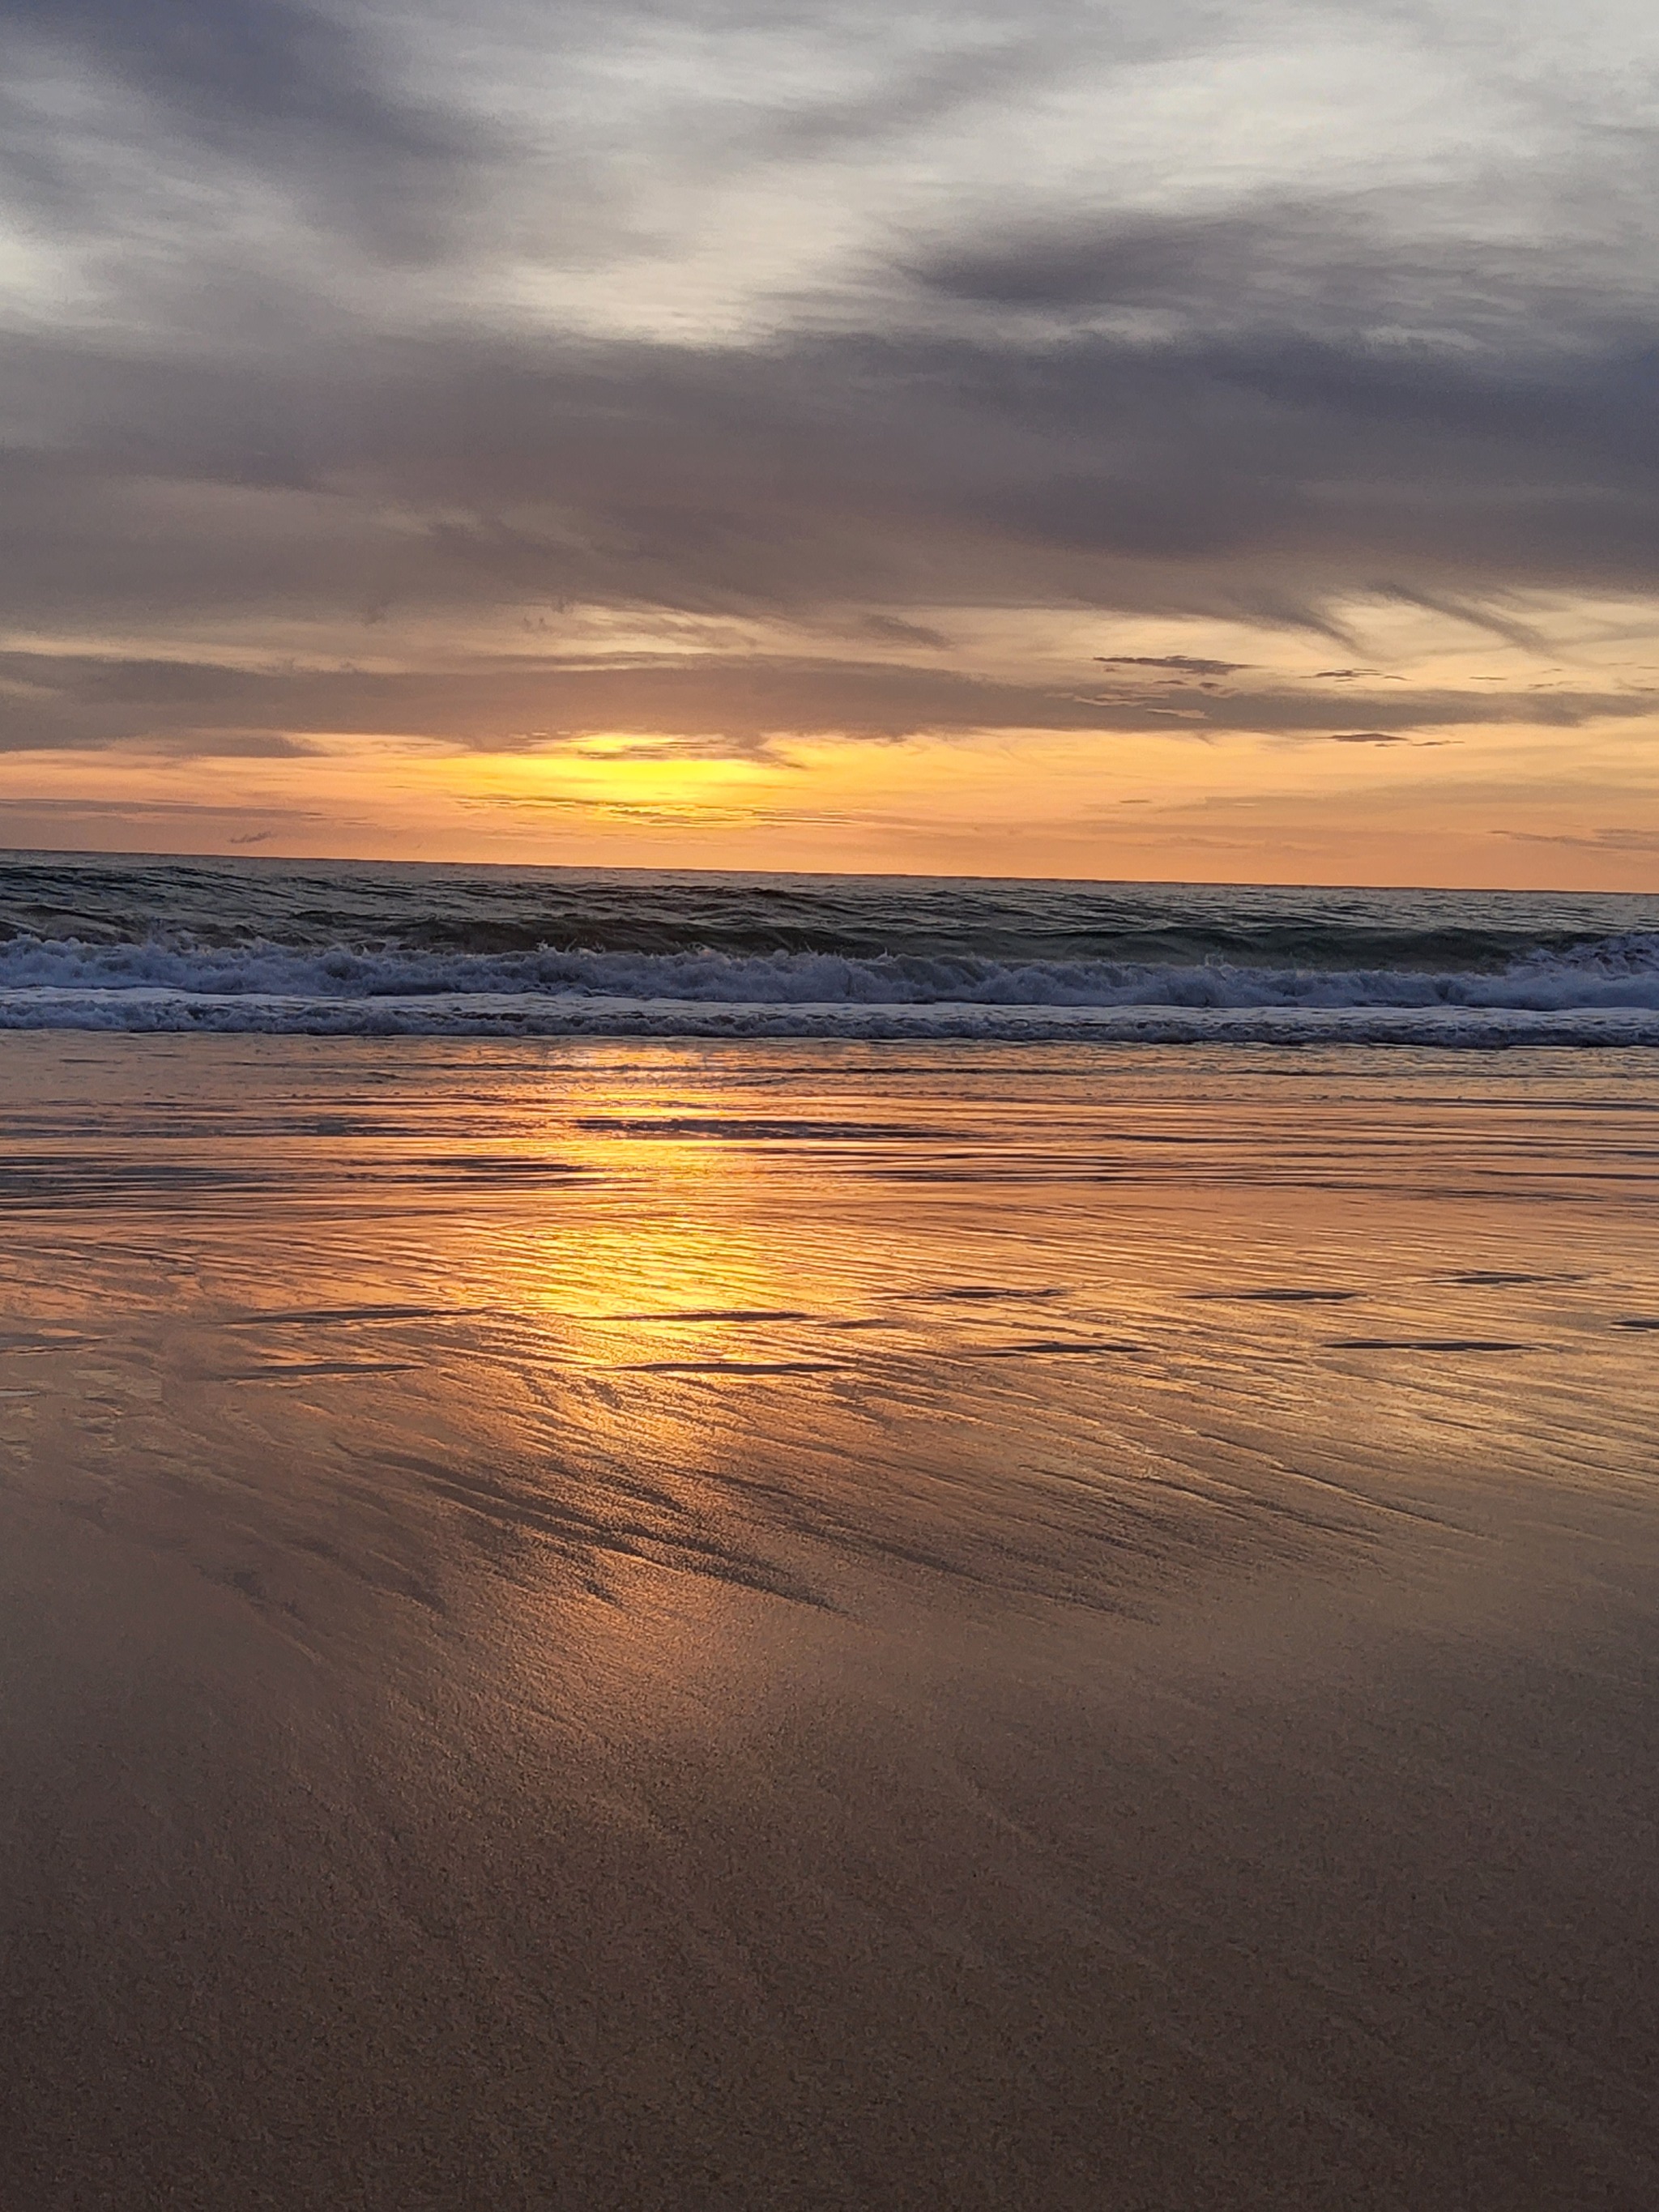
1427, 1344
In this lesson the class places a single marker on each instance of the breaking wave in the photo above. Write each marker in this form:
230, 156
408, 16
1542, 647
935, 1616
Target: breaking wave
1606, 991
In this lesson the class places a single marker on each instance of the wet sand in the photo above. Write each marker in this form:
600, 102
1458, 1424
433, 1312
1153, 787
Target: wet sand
804, 1626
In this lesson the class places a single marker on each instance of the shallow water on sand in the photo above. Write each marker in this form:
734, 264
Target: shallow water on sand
829, 1624
1048, 1315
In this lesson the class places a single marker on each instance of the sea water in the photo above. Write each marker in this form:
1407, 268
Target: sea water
140, 943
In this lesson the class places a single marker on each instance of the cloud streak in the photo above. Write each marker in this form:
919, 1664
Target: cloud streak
711, 706
1272, 481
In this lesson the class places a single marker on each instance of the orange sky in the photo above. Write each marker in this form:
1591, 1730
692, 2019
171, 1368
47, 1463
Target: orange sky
1448, 756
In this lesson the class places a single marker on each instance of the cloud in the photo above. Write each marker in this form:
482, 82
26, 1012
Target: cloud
1594, 840
1272, 482
1179, 663
1349, 263
709, 312
224, 93
58, 812
926, 90
1252, 478
715, 706
892, 627
1228, 265
705, 706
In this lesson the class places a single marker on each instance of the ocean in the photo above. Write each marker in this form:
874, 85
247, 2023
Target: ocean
138, 943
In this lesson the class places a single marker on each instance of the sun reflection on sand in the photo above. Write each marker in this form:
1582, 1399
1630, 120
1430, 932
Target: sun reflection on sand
1045, 1320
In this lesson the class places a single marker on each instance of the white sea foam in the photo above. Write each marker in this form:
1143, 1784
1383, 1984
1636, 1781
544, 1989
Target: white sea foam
1607, 992
543, 1015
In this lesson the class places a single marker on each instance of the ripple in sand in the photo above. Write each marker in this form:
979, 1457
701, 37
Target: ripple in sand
1425, 1344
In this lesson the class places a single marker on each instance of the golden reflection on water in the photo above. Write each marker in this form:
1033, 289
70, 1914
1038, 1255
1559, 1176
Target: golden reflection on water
1063, 1322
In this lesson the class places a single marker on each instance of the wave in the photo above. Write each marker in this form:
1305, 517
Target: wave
442, 911
529, 1015
1607, 991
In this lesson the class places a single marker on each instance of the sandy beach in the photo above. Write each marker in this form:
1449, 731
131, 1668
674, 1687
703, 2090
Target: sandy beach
794, 1625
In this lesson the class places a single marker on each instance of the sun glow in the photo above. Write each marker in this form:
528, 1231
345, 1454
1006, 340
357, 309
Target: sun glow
1422, 751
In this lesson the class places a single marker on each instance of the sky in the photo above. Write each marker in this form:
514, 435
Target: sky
1161, 440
